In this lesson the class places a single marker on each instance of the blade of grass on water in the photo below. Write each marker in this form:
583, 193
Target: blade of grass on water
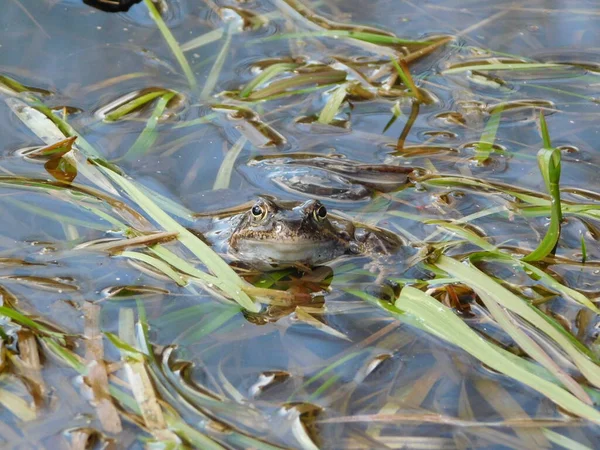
148, 136
550, 167
265, 76
424, 312
333, 105
205, 39
404, 74
486, 67
232, 283
484, 285
446, 324
224, 174
485, 146
172, 43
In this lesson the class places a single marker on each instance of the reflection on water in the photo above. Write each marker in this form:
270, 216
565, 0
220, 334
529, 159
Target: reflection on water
322, 367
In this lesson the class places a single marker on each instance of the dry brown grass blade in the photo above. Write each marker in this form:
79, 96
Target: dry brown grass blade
97, 375
29, 366
117, 246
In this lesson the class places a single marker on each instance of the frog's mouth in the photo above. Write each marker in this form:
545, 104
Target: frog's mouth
306, 251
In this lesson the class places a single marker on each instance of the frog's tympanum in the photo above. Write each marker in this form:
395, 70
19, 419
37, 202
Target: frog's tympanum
277, 234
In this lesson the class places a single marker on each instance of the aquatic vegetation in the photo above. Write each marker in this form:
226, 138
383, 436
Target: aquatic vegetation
120, 322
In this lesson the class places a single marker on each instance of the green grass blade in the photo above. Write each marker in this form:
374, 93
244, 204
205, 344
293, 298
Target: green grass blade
232, 283
443, 322
148, 135
484, 285
205, 39
333, 104
531, 347
564, 441
266, 75
224, 174
550, 167
172, 43
485, 146
404, 74
132, 105
372, 38
159, 265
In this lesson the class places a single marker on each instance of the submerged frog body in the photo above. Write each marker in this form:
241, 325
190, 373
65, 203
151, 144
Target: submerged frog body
275, 234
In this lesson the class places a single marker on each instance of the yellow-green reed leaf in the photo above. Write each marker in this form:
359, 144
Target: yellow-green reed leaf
333, 104
549, 162
487, 67
485, 145
282, 88
544, 132
224, 174
532, 348
159, 265
441, 321
232, 283
404, 74
148, 135
172, 43
396, 112
134, 104
67, 356
17, 406
538, 275
464, 233
564, 441
372, 38
270, 72
205, 39
482, 284
583, 250
27, 322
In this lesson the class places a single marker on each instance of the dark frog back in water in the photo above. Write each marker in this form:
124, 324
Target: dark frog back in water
276, 234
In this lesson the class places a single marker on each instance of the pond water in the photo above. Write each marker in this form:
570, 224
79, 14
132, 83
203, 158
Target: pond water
297, 100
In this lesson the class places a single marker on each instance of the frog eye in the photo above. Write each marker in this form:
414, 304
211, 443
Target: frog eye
320, 213
257, 211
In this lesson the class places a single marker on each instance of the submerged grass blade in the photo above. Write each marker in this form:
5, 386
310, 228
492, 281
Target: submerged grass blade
232, 283
333, 105
484, 285
485, 146
172, 43
134, 104
205, 39
443, 322
157, 264
224, 174
266, 75
372, 38
531, 347
148, 136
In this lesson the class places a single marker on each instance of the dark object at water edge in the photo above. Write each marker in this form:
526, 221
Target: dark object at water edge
112, 5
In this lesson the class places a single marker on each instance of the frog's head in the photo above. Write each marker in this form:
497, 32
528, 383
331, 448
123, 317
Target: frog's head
283, 234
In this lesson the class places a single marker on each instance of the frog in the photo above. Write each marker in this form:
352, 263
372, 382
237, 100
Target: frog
274, 234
